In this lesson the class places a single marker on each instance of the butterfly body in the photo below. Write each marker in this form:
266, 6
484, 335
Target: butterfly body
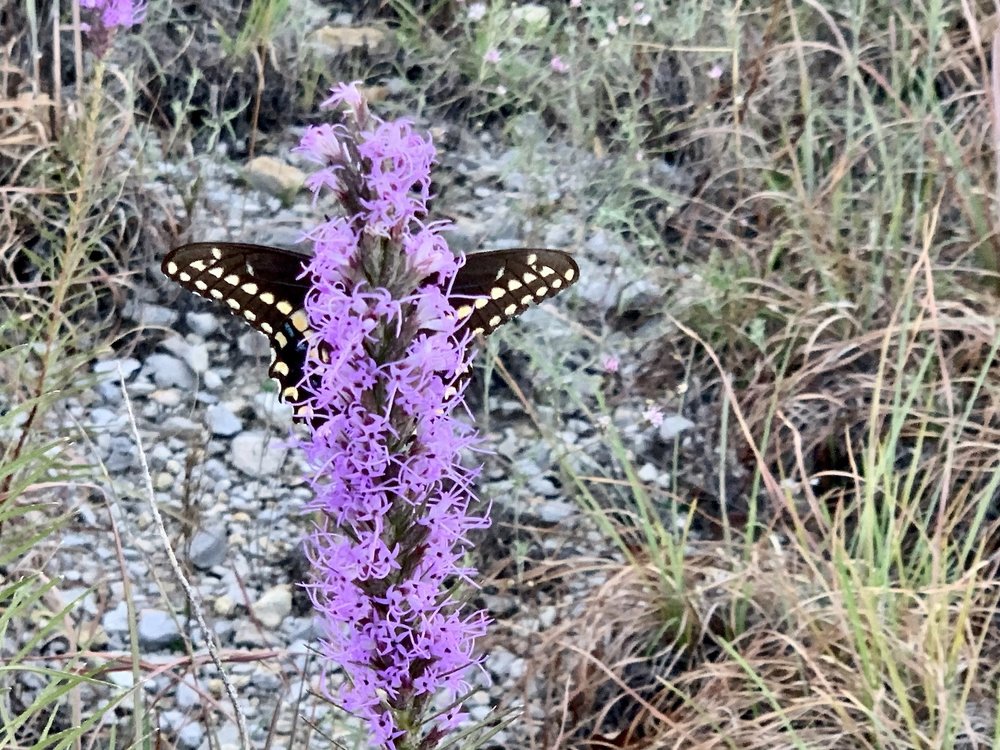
266, 286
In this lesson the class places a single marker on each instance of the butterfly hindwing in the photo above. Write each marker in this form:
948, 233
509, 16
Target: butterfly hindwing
263, 285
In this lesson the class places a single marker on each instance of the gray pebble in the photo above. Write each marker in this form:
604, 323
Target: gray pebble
257, 454
555, 511
673, 426
208, 547
190, 736
168, 371
157, 629
273, 606
222, 422
203, 324
146, 314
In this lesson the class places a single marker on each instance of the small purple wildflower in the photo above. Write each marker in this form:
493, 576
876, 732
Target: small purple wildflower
653, 414
392, 498
492, 56
558, 65
114, 13
109, 15
610, 363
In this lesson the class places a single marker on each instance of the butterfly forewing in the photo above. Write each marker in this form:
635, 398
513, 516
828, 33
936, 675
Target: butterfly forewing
495, 286
263, 285
259, 284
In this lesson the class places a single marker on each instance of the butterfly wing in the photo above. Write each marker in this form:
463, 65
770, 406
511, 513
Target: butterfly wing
495, 286
262, 285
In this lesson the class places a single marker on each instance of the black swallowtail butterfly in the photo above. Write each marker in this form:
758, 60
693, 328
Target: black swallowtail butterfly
262, 285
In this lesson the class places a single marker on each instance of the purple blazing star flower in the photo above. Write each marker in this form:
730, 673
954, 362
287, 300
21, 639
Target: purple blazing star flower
384, 372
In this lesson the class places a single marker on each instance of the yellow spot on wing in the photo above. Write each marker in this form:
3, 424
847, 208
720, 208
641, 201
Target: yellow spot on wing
201, 284
300, 321
267, 298
510, 310
464, 311
569, 274
216, 271
280, 338
198, 265
481, 303
216, 253
232, 279
284, 307
233, 303
172, 268
497, 292
184, 276
249, 288
545, 271
281, 368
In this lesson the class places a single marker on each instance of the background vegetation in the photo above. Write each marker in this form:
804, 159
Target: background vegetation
809, 191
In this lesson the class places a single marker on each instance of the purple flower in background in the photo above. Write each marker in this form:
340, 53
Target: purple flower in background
653, 414
384, 369
108, 15
113, 13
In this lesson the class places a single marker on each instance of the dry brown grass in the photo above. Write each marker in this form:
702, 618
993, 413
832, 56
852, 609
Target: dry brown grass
761, 651
68, 228
844, 230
